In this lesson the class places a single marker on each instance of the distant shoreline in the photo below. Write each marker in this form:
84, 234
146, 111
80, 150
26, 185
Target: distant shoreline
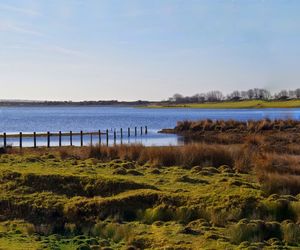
252, 104
71, 104
243, 104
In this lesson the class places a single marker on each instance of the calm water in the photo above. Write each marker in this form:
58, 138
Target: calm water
53, 119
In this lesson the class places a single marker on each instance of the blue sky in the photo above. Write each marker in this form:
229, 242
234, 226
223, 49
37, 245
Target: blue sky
129, 50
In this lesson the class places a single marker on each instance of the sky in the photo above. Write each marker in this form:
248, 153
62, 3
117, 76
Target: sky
149, 50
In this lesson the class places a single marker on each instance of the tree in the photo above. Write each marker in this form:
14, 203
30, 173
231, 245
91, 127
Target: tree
177, 98
283, 94
264, 94
235, 95
250, 93
202, 97
291, 94
213, 96
244, 95
297, 93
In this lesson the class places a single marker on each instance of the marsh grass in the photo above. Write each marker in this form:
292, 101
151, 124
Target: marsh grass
238, 126
191, 197
188, 156
291, 232
183, 214
258, 230
254, 231
111, 230
279, 183
278, 173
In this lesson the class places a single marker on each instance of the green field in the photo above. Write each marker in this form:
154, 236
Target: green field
255, 104
55, 200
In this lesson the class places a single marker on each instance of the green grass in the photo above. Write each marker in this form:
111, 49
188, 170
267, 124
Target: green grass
184, 208
247, 104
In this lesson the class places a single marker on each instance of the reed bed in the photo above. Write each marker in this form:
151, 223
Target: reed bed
187, 156
230, 125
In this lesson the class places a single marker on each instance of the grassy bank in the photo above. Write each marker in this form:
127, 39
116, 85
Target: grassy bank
199, 196
247, 104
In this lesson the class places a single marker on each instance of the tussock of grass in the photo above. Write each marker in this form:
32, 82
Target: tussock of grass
258, 231
291, 232
254, 231
165, 212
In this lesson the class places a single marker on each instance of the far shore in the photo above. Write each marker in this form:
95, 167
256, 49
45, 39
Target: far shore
247, 104
242, 104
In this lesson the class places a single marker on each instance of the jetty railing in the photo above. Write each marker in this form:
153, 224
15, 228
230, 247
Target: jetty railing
103, 137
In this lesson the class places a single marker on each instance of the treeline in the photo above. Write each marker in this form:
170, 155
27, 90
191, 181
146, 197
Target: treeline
251, 94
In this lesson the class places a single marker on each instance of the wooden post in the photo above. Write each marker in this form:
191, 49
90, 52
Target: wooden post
115, 136
128, 132
48, 139
146, 130
91, 138
20, 139
107, 137
59, 138
99, 134
121, 140
81, 138
141, 130
71, 138
135, 131
34, 139
4, 140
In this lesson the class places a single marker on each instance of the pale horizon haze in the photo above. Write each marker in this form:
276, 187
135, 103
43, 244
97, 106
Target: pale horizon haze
146, 50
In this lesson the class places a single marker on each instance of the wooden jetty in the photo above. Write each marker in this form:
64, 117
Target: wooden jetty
107, 135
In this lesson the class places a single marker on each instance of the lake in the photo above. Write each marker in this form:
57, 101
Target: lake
93, 118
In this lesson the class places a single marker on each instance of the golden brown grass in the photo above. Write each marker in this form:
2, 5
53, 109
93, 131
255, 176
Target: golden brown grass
279, 183
229, 125
188, 155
